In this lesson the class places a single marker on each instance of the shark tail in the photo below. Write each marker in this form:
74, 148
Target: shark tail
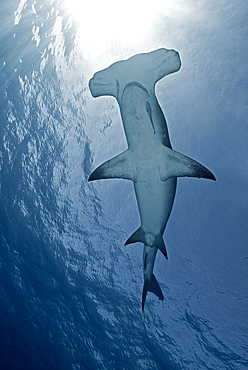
148, 239
152, 286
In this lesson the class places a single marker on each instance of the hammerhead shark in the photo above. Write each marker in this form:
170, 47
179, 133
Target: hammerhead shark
149, 161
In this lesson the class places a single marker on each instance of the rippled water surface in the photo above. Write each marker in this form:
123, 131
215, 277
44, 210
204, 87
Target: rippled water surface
70, 291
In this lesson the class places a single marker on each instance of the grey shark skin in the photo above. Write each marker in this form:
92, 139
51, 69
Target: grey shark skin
149, 161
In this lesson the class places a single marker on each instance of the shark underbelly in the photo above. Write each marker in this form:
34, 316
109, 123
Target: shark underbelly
155, 200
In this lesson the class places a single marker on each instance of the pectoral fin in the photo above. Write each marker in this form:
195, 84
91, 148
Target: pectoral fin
118, 167
174, 164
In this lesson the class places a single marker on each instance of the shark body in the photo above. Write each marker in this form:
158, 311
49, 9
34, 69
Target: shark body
150, 162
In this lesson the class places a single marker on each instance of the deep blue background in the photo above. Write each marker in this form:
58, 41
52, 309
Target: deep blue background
70, 292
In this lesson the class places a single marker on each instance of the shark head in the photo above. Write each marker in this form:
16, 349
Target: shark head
145, 68
167, 62
103, 83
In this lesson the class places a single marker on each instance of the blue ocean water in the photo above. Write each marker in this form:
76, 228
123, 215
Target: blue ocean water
70, 292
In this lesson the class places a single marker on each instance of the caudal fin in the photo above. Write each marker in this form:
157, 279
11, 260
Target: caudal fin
148, 239
153, 287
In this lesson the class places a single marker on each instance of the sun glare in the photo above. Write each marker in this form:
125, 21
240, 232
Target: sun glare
101, 22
